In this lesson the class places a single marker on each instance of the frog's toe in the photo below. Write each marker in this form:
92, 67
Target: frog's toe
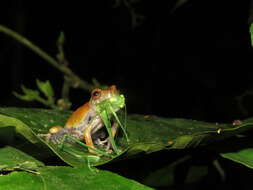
46, 136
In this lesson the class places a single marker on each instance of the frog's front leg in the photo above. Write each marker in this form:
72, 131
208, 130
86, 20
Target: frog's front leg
88, 131
88, 139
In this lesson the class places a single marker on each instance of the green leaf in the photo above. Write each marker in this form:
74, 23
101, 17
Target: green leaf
148, 134
151, 133
238, 149
30, 122
46, 88
14, 159
65, 178
20, 127
29, 94
251, 33
60, 42
243, 156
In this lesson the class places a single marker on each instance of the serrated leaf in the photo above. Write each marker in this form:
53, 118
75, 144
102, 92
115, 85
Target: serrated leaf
13, 159
65, 178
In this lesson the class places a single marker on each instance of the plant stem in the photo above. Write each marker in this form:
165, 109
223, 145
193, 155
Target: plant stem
76, 81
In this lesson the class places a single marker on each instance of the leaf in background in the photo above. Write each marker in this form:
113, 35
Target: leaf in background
14, 159
243, 156
251, 33
60, 43
65, 178
20, 128
238, 149
29, 94
148, 134
46, 88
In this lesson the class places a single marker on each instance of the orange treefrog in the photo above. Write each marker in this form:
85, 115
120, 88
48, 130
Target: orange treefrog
86, 120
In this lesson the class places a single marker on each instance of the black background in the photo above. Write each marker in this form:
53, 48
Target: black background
191, 63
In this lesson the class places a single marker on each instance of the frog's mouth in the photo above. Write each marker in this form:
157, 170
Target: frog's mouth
112, 104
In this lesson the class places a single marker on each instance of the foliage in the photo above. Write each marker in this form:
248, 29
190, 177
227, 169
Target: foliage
34, 175
251, 33
34, 95
146, 134
71, 80
25, 156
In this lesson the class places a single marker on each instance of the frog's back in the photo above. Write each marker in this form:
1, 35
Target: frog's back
79, 116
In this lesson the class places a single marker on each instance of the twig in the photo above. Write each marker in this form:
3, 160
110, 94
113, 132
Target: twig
75, 80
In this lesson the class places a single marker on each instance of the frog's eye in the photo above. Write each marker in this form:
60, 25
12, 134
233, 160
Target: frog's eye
96, 94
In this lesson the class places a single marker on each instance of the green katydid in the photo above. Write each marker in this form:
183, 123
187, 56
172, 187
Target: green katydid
89, 118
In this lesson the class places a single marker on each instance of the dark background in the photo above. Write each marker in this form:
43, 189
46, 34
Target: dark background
189, 63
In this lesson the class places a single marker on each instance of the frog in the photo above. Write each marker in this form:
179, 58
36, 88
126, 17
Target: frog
85, 122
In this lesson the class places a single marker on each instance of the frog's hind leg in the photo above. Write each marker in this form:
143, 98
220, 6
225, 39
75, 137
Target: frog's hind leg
52, 132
